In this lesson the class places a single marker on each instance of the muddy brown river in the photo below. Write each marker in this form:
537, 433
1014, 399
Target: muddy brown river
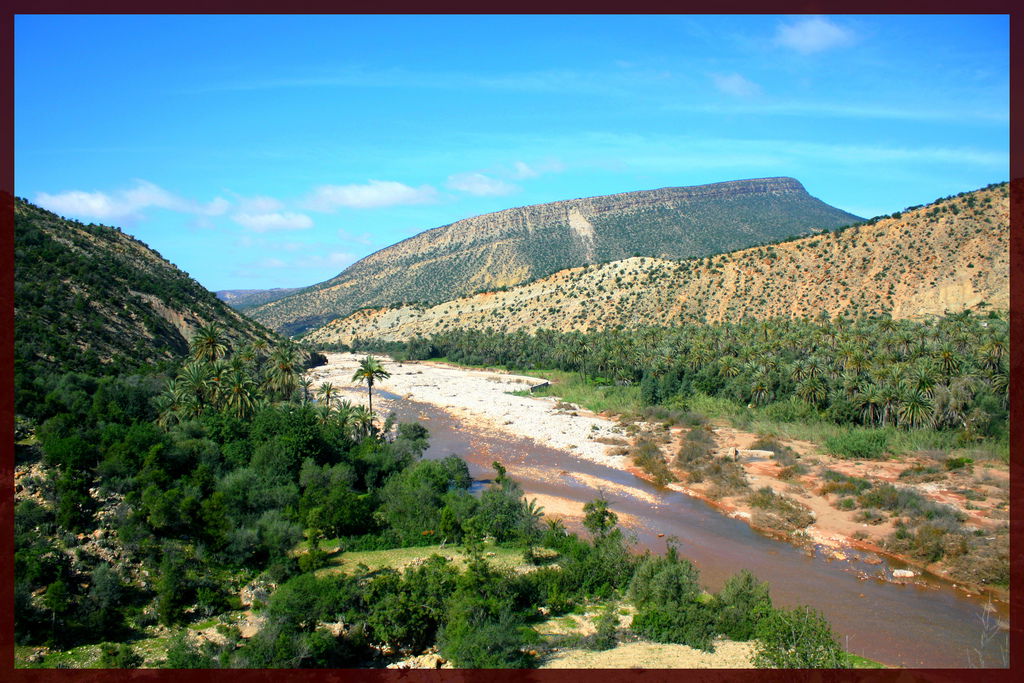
927, 624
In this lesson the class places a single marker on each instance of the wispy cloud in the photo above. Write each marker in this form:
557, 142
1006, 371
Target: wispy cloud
735, 84
843, 110
812, 34
480, 185
266, 222
567, 81
524, 171
374, 194
127, 203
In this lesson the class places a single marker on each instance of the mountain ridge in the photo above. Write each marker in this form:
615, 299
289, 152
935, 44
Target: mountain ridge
949, 255
509, 247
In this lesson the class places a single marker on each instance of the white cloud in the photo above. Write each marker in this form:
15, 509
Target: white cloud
258, 204
812, 34
374, 194
264, 222
522, 170
479, 184
126, 203
735, 84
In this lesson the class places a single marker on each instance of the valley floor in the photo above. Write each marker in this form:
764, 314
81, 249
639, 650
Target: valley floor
482, 399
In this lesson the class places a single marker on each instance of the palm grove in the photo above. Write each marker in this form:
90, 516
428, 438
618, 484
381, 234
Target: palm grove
162, 495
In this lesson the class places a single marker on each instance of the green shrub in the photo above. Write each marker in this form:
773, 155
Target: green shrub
776, 511
800, 638
741, 605
958, 463
648, 457
859, 444
119, 656
607, 624
688, 622
481, 635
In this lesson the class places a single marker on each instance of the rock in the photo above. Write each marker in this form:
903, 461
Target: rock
903, 574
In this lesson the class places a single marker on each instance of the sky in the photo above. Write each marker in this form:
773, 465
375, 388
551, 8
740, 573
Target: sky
274, 151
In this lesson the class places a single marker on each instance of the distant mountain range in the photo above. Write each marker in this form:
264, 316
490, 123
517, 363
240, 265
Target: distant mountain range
244, 299
951, 255
515, 246
91, 298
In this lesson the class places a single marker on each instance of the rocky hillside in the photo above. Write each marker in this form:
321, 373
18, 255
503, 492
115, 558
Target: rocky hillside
243, 299
91, 298
950, 255
518, 245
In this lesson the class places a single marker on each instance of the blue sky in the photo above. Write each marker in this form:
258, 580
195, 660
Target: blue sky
258, 152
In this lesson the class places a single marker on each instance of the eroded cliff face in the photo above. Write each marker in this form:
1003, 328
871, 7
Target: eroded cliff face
950, 256
516, 245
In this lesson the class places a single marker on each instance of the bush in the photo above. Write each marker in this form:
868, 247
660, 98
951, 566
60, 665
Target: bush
859, 444
481, 633
120, 656
660, 580
648, 457
742, 604
688, 622
800, 638
607, 624
778, 512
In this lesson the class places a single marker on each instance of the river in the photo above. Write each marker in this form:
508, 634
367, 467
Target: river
920, 625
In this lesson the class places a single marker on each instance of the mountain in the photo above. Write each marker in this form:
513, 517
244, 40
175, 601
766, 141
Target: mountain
950, 255
518, 245
90, 298
243, 299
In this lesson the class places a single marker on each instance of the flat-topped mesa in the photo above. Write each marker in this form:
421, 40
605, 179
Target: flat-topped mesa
516, 245
529, 217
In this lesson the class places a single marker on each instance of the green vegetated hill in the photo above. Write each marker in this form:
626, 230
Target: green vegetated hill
90, 298
518, 245
244, 299
951, 255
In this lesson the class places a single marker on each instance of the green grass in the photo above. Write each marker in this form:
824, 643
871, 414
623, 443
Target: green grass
600, 399
152, 650
858, 662
394, 558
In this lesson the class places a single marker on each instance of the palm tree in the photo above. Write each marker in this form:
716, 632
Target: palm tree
370, 370
326, 392
237, 391
283, 374
194, 379
208, 343
915, 409
306, 384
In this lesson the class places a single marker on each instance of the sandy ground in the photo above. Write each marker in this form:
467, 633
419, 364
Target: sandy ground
480, 398
727, 655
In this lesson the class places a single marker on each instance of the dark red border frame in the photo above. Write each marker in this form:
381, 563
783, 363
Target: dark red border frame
7, 672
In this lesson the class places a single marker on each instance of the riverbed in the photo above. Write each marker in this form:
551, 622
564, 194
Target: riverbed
921, 624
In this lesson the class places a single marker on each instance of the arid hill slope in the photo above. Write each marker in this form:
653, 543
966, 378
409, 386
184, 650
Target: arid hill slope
517, 245
951, 255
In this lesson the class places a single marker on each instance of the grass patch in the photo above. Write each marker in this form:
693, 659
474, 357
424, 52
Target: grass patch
648, 457
395, 558
152, 650
857, 662
776, 511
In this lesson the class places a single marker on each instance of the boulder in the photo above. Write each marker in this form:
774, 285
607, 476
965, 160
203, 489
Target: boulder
903, 574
